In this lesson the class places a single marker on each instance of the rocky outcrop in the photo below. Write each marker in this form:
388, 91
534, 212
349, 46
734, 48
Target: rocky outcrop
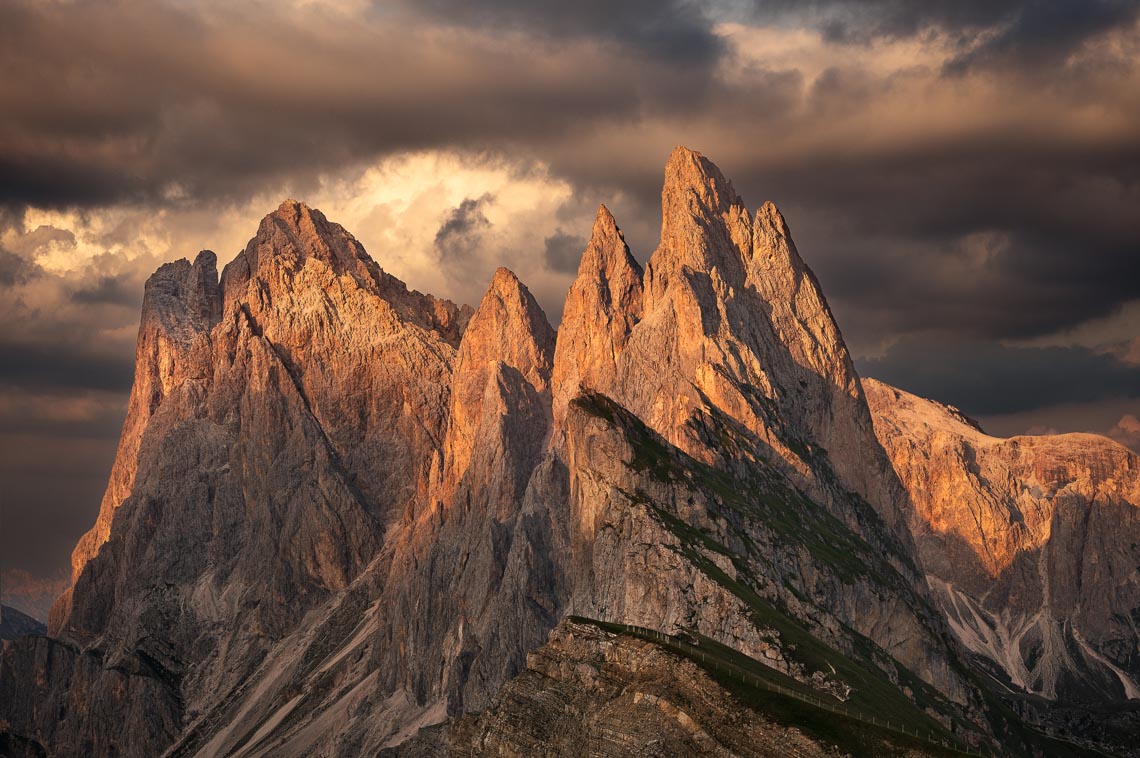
501, 388
181, 304
730, 387
58, 700
1031, 545
282, 422
590, 691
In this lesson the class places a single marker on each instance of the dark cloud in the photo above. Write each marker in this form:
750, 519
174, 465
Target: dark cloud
60, 365
986, 378
15, 269
147, 102
563, 252
460, 236
678, 31
1046, 31
1126, 431
1033, 29
980, 236
109, 289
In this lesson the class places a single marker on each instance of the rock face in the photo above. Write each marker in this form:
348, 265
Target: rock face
602, 307
729, 374
592, 692
734, 321
343, 511
181, 303
1031, 545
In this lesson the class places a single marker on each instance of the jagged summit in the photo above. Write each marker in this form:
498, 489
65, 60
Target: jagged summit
184, 296
606, 249
602, 307
510, 326
689, 171
704, 224
504, 361
287, 238
343, 510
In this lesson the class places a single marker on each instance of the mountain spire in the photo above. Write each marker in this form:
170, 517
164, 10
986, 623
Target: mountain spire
508, 335
602, 307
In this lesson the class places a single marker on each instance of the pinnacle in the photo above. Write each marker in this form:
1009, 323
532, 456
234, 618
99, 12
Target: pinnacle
769, 215
206, 258
694, 185
504, 275
689, 169
289, 206
508, 288
682, 155
604, 219
506, 283
606, 247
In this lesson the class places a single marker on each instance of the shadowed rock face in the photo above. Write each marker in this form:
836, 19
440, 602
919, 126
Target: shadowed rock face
343, 510
1031, 545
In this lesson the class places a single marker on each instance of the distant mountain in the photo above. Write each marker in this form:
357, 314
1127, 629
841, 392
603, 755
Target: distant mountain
33, 594
15, 624
1031, 547
349, 518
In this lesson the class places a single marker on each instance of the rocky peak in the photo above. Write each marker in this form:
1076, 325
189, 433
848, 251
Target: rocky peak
298, 230
509, 326
183, 299
734, 326
695, 186
182, 303
299, 255
286, 239
508, 342
704, 223
606, 252
602, 307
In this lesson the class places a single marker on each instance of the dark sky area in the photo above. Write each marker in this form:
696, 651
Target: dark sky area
962, 175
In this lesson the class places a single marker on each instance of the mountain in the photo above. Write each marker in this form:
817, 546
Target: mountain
350, 518
1030, 544
15, 624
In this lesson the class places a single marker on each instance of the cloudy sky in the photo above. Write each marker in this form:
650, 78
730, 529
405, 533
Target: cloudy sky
963, 176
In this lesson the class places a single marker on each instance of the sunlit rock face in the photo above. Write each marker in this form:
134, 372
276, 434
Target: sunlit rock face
343, 510
726, 369
602, 307
1030, 544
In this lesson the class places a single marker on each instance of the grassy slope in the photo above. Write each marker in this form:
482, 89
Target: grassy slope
770, 500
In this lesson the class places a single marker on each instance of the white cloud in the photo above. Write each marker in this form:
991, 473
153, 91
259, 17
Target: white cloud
394, 206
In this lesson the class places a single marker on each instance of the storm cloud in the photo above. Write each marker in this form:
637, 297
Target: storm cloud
984, 378
962, 175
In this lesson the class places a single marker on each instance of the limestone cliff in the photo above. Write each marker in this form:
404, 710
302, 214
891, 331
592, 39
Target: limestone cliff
343, 510
602, 308
729, 375
1031, 545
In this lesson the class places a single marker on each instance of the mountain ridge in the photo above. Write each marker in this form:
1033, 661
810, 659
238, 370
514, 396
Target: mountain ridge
343, 510
1018, 535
